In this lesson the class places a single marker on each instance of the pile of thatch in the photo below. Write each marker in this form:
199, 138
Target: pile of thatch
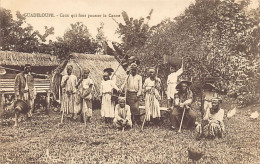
20, 59
96, 64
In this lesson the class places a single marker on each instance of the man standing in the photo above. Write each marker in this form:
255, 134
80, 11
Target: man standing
24, 87
133, 89
172, 83
182, 100
68, 85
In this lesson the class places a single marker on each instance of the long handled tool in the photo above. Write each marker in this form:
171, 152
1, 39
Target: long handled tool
181, 120
118, 66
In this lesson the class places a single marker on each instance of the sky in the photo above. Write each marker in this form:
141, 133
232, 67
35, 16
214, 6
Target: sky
162, 9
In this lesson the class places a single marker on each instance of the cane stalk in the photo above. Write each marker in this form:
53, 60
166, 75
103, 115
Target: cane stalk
181, 120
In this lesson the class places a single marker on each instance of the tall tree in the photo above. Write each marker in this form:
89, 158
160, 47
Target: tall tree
78, 39
134, 32
213, 36
17, 35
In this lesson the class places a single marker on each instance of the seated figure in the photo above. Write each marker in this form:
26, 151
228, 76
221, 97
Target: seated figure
182, 100
122, 114
212, 125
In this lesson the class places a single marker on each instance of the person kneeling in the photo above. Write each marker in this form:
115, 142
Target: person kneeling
213, 125
122, 114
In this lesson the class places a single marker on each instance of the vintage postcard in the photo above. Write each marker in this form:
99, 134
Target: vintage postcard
129, 81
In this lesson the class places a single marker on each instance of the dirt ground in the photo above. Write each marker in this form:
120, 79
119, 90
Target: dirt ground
43, 140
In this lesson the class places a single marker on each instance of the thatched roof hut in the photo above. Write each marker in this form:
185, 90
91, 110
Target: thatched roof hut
96, 64
11, 63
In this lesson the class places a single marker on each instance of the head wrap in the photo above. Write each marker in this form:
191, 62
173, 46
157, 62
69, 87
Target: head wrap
152, 69
69, 67
121, 99
105, 74
216, 99
133, 66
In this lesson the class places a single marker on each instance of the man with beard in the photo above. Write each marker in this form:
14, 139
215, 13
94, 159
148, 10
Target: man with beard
182, 100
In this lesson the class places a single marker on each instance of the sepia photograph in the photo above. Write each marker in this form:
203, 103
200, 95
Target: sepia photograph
129, 81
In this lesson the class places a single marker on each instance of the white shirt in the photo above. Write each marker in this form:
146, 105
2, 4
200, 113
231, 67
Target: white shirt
172, 83
107, 86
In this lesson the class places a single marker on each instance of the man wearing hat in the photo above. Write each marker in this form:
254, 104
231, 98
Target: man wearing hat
24, 87
213, 125
182, 100
122, 114
133, 89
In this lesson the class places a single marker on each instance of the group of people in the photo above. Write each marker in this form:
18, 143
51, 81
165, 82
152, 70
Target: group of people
124, 111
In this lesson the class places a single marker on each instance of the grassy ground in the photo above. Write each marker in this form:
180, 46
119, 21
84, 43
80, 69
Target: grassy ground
43, 140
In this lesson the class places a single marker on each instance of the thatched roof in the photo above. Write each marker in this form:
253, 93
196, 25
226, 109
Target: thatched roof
96, 64
12, 58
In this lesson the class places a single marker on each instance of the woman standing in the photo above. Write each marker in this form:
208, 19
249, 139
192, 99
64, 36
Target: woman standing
152, 87
69, 97
85, 91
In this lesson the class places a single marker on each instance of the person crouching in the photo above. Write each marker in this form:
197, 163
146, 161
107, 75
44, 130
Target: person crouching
122, 114
213, 126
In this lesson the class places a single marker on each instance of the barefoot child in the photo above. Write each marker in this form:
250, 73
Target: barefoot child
107, 107
85, 90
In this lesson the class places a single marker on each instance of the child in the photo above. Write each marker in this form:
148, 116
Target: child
122, 114
213, 126
85, 90
107, 107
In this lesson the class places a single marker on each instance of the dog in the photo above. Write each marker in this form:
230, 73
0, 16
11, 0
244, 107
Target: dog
20, 107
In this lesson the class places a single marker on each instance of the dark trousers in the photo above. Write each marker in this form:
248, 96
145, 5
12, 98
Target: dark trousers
189, 118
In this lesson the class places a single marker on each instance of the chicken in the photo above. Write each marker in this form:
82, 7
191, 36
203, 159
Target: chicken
232, 112
194, 155
254, 115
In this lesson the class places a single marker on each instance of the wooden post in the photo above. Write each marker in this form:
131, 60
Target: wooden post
1, 103
48, 101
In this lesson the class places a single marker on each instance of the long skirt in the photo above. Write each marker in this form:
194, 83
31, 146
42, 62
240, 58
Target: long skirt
69, 103
133, 102
107, 107
152, 106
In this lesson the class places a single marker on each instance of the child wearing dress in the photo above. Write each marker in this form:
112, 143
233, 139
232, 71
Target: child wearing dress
107, 107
